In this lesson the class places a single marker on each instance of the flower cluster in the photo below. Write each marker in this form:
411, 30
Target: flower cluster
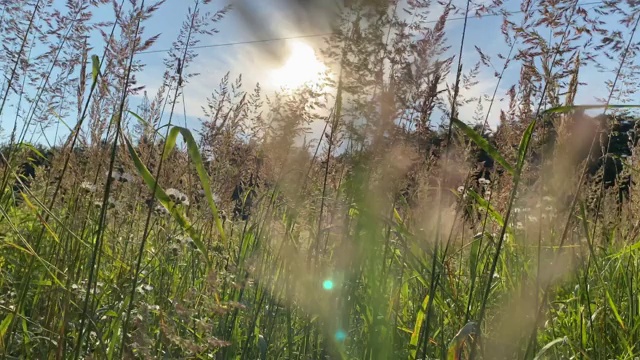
178, 197
88, 187
121, 176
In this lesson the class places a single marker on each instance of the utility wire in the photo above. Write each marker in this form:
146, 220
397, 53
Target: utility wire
333, 33
244, 42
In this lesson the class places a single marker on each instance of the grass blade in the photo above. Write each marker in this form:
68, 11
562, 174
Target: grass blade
95, 67
455, 347
194, 154
417, 329
164, 199
549, 346
484, 145
565, 109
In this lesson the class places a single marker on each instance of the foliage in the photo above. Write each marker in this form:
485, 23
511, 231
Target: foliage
402, 231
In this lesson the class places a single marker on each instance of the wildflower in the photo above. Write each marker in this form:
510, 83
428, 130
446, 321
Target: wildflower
110, 203
483, 181
88, 187
460, 189
177, 197
160, 210
121, 176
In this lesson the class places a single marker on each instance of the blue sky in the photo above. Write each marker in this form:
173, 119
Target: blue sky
277, 19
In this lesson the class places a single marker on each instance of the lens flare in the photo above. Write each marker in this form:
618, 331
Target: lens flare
341, 335
327, 284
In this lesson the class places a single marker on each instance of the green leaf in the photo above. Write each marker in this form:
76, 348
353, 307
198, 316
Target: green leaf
565, 109
614, 308
95, 67
170, 142
468, 330
146, 123
194, 154
164, 199
524, 145
484, 145
548, 346
417, 329
484, 204
111, 313
4, 326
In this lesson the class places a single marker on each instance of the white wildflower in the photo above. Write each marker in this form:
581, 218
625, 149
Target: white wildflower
177, 196
88, 187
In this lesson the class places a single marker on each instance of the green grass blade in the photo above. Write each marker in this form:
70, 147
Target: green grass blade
417, 329
194, 154
164, 199
524, 145
467, 331
95, 67
565, 109
484, 145
614, 308
4, 326
549, 346
170, 142
147, 124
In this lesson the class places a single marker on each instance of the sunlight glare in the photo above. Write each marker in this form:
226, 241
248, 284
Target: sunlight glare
302, 67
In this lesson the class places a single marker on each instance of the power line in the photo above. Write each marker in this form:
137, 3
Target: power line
244, 42
331, 33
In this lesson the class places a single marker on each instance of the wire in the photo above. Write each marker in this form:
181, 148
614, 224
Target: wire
332, 33
244, 42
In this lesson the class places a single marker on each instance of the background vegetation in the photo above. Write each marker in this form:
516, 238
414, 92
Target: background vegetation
404, 232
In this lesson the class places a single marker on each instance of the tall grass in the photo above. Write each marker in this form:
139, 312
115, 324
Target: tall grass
394, 235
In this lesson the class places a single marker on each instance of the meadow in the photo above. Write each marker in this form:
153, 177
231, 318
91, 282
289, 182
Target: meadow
402, 232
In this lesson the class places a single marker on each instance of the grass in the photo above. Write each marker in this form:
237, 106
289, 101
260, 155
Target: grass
386, 239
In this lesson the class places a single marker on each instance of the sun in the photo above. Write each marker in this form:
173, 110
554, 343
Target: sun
301, 68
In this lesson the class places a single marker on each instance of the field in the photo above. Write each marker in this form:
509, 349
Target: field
399, 231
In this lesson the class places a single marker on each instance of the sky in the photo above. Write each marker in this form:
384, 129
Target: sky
277, 19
